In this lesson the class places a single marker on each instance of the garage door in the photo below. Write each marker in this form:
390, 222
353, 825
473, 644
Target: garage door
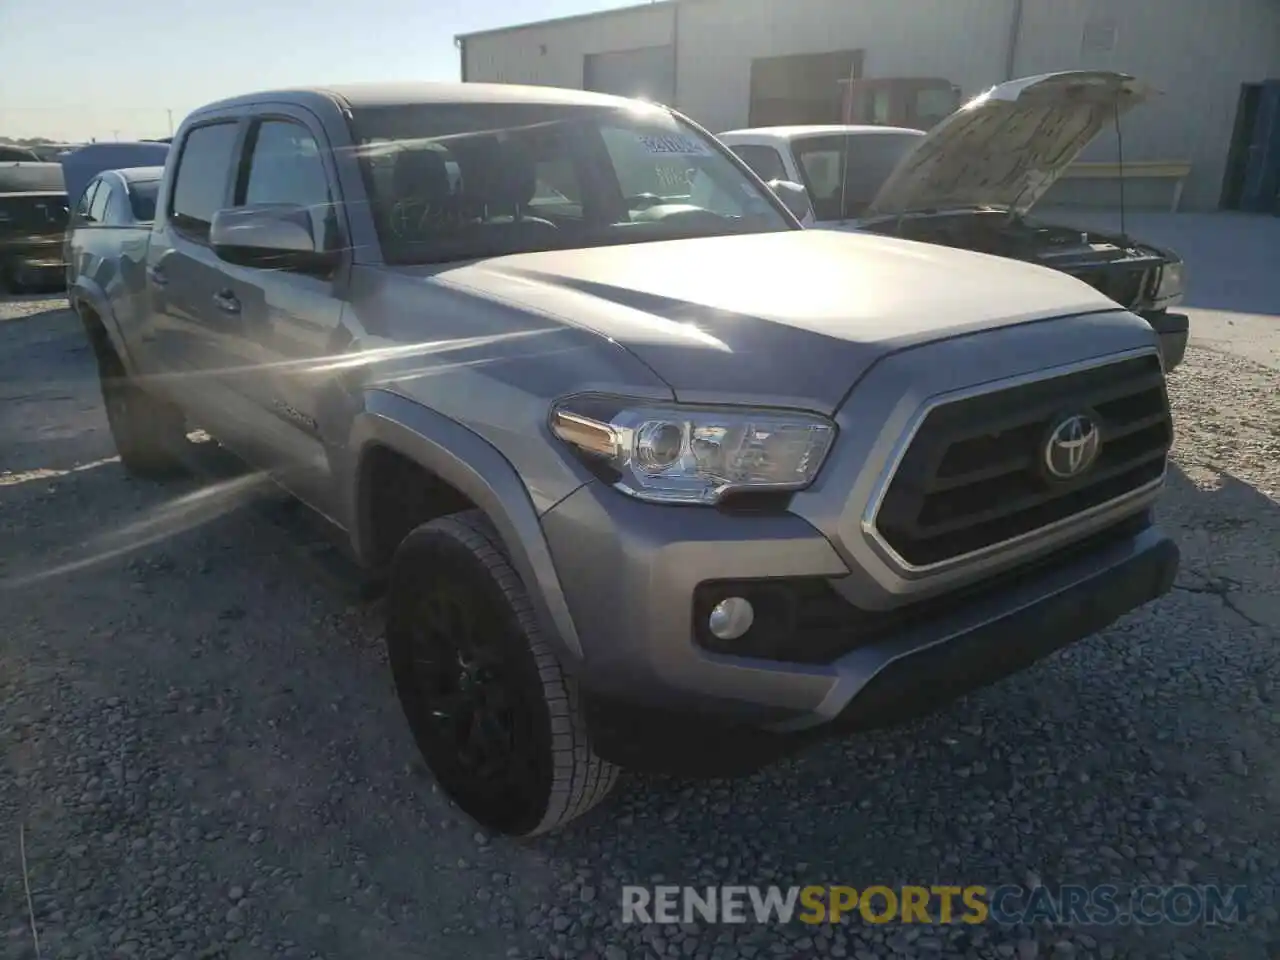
647, 72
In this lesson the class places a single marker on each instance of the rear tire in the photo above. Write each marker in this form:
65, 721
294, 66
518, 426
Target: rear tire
147, 431
499, 724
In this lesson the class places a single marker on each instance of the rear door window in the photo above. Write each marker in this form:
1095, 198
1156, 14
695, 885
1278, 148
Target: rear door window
765, 161
101, 200
203, 176
82, 208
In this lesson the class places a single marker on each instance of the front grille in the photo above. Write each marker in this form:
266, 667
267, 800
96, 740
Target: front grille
971, 477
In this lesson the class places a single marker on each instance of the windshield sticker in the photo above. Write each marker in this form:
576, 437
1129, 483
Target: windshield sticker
674, 146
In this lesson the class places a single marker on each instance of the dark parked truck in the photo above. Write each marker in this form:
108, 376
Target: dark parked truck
657, 478
33, 222
972, 180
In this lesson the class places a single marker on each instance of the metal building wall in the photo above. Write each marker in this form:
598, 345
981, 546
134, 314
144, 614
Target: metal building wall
552, 54
647, 72
1197, 52
962, 40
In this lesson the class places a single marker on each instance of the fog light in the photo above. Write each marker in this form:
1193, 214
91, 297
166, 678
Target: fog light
731, 618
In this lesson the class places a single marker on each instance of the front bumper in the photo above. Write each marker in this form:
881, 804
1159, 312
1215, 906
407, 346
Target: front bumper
631, 570
1173, 330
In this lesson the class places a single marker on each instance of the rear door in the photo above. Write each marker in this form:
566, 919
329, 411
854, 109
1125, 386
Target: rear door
97, 251
187, 334
289, 323
122, 241
79, 235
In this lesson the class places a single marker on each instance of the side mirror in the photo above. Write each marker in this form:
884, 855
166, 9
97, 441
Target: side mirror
793, 196
274, 236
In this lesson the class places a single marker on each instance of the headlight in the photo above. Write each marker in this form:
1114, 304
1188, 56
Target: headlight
1170, 285
668, 453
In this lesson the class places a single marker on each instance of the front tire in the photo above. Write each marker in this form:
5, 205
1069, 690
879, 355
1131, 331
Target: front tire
496, 719
147, 430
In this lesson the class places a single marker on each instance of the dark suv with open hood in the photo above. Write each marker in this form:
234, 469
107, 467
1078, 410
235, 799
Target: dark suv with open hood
972, 180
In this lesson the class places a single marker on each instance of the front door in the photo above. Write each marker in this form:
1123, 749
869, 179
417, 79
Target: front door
290, 342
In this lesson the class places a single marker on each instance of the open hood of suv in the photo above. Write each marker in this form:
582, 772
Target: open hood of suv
1006, 147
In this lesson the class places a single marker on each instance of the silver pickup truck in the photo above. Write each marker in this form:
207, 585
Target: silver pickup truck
656, 477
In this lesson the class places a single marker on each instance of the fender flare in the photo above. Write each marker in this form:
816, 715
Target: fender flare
473, 466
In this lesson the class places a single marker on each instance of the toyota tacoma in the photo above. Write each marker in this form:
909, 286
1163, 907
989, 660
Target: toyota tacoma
654, 476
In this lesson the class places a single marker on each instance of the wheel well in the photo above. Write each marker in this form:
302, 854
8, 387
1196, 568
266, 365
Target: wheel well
398, 494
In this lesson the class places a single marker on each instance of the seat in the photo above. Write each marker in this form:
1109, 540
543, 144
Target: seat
422, 201
499, 184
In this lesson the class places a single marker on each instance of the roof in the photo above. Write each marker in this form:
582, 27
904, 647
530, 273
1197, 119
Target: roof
366, 95
818, 130
573, 18
139, 174
107, 147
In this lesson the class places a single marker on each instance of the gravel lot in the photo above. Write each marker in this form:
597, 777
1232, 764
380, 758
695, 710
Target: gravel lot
203, 756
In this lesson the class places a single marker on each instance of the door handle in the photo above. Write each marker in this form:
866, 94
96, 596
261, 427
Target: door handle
226, 301
157, 276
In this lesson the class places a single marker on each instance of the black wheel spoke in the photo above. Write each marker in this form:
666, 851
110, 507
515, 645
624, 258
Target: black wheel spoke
463, 685
470, 677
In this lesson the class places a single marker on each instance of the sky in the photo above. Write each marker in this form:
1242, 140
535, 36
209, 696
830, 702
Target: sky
87, 69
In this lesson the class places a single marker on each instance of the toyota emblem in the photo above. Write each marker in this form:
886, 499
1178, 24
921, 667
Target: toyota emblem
1072, 447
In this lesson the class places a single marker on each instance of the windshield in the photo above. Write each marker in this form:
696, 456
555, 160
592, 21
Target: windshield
459, 182
872, 157
142, 199
31, 177
34, 213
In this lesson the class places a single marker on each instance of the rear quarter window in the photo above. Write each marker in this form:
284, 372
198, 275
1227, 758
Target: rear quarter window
142, 199
203, 177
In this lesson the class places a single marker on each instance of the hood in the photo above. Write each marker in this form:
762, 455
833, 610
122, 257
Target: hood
81, 166
791, 318
1006, 147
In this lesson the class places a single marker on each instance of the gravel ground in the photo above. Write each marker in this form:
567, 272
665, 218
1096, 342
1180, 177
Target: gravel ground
203, 756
